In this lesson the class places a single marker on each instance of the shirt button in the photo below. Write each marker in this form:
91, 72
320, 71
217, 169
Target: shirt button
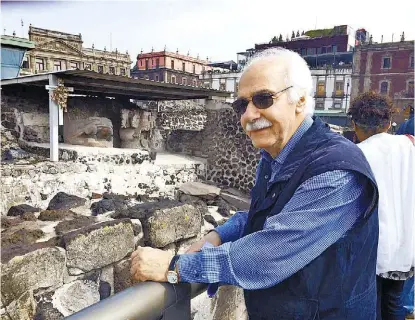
273, 195
266, 177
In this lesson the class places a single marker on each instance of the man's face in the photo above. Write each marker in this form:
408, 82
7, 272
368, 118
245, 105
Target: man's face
283, 118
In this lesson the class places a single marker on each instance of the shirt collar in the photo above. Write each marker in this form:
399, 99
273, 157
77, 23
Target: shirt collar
298, 134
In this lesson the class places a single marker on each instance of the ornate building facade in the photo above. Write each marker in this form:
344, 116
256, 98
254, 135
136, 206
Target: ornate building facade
55, 51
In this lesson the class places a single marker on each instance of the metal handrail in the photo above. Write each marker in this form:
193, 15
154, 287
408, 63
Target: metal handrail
145, 301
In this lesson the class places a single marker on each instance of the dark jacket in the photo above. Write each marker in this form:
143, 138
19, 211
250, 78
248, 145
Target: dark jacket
341, 282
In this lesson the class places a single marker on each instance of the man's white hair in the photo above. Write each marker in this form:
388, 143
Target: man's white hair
296, 74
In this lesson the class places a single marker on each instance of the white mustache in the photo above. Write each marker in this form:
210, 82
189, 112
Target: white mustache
259, 124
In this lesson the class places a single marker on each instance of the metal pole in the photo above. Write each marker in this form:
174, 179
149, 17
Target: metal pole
53, 121
145, 301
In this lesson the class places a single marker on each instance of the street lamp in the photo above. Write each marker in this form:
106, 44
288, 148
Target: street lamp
347, 93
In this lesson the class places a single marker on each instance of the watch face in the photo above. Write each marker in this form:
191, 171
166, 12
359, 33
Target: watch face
172, 277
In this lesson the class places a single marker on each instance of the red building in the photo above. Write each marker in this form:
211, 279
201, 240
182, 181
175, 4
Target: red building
169, 67
387, 68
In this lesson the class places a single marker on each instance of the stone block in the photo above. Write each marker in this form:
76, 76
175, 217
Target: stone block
172, 224
106, 282
99, 245
75, 296
229, 304
199, 189
20, 209
42, 268
56, 215
45, 310
62, 200
23, 308
122, 279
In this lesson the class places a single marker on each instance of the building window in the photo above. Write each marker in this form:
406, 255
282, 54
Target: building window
146, 77
122, 71
384, 86
329, 49
321, 88
323, 50
386, 63
410, 89
318, 50
319, 105
184, 81
183, 66
172, 64
25, 63
74, 65
194, 68
334, 48
112, 70
194, 83
157, 77
411, 61
157, 63
87, 66
206, 85
339, 88
57, 65
222, 87
146, 64
101, 69
337, 105
173, 79
303, 52
40, 64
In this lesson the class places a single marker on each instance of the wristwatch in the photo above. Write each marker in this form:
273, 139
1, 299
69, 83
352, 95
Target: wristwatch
172, 276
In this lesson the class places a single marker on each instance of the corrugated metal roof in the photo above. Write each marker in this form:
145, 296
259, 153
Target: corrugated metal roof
17, 42
90, 82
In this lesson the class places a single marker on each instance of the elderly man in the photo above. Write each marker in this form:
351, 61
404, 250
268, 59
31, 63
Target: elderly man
307, 247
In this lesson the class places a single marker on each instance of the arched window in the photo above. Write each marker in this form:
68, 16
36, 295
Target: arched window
384, 87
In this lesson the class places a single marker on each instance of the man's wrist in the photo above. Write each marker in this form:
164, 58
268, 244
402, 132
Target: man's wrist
213, 237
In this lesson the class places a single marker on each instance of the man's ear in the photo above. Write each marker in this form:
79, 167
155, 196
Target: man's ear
300, 105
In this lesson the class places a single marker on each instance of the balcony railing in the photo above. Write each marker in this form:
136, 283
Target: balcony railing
320, 94
145, 301
338, 94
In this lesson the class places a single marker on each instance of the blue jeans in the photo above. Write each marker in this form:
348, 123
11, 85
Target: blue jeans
390, 304
408, 295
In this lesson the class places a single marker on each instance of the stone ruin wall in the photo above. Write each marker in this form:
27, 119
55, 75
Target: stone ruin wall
210, 130
232, 159
194, 127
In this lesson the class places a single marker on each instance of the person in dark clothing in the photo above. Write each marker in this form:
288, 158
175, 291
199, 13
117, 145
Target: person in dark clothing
307, 247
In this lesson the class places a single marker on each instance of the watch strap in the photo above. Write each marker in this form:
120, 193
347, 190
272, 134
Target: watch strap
172, 266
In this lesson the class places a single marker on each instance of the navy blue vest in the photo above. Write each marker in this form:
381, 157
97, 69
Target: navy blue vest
341, 282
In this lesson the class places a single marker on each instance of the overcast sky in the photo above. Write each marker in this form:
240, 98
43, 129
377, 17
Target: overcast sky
214, 28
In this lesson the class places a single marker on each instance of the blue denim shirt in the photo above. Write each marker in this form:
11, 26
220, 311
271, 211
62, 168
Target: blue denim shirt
289, 240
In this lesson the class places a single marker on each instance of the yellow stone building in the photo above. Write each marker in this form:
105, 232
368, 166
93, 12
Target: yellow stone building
55, 51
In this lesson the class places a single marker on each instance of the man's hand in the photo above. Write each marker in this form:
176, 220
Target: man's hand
150, 264
212, 237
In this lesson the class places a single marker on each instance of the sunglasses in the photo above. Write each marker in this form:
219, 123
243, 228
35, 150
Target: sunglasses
261, 100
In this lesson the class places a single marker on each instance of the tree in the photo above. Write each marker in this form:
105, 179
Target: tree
303, 33
292, 35
280, 38
298, 33
274, 40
